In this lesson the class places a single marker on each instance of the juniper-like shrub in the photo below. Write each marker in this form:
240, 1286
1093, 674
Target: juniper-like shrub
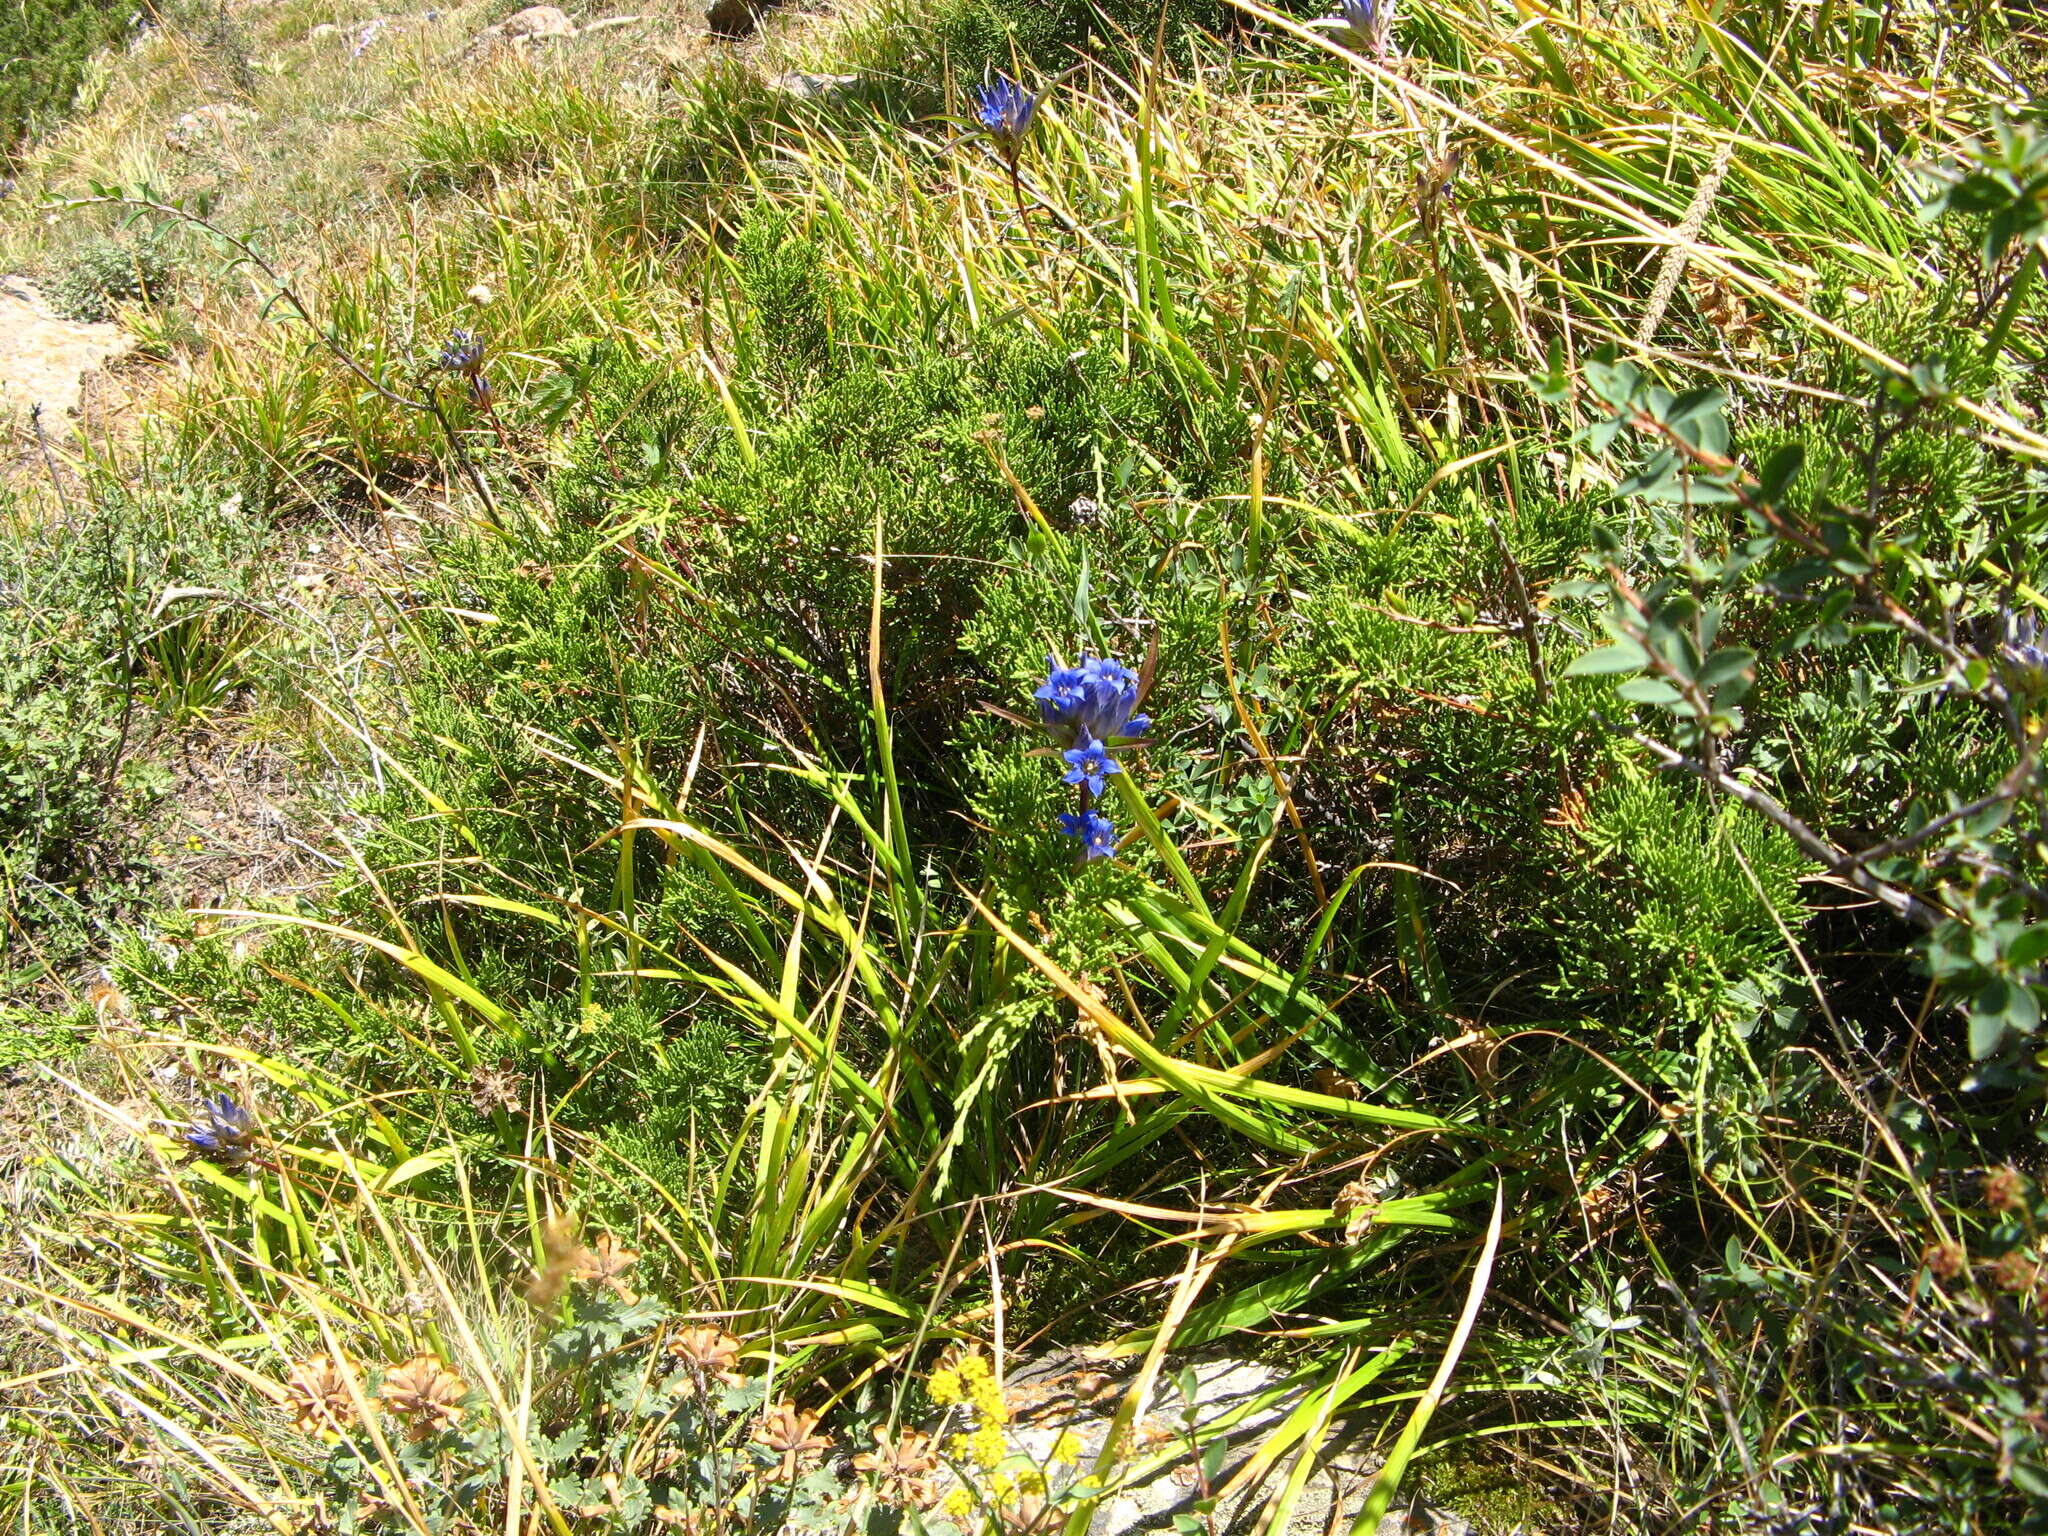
47, 44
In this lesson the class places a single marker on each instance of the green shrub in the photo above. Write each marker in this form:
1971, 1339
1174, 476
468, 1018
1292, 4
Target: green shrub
70, 782
45, 45
103, 273
1680, 917
90, 677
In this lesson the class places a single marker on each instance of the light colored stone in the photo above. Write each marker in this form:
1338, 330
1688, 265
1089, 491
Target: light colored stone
44, 359
812, 87
537, 21
1236, 1401
216, 120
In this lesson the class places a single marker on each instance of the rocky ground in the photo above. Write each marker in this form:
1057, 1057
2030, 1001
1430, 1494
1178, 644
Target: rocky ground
45, 359
1240, 1401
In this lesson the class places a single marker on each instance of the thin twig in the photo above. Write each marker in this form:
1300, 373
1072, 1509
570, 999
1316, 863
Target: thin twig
1525, 611
1818, 848
2010, 787
35, 422
455, 444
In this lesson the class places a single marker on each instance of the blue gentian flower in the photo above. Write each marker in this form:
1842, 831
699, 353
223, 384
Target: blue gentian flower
464, 353
1095, 699
1088, 710
1005, 111
1097, 835
224, 1132
1089, 762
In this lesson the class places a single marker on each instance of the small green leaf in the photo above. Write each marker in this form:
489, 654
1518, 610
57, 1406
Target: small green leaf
1648, 690
1780, 470
1622, 656
1727, 664
2028, 950
1987, 1031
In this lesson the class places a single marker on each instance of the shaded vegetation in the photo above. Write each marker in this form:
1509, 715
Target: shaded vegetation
48, 46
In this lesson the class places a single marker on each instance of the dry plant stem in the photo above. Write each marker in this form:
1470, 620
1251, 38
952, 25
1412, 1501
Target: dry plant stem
1838, 863
1439, 625
35, 423
1688, 233
1525, 611
469, 468
1714, 1377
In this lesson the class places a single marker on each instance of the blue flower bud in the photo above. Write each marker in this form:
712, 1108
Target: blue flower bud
464, 353
224, 1132
1369, 26
1006, 112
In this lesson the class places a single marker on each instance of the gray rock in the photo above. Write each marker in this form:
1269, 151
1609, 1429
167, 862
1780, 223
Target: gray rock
537, 21
1237, 1401
812, 87
44, 359
216, 120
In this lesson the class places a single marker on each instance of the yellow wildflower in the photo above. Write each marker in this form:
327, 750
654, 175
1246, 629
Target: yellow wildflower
1031, 1480
1001, 1488
958, 1504
987, 1398
945, 1387
974, 1368
986, 1446
1067, 1449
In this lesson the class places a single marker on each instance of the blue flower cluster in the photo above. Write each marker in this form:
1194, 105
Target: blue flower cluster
1089, 710
464, 352
1005, 111
224, 1132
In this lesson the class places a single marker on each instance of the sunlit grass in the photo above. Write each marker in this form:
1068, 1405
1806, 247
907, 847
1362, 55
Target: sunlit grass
1235, 1094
